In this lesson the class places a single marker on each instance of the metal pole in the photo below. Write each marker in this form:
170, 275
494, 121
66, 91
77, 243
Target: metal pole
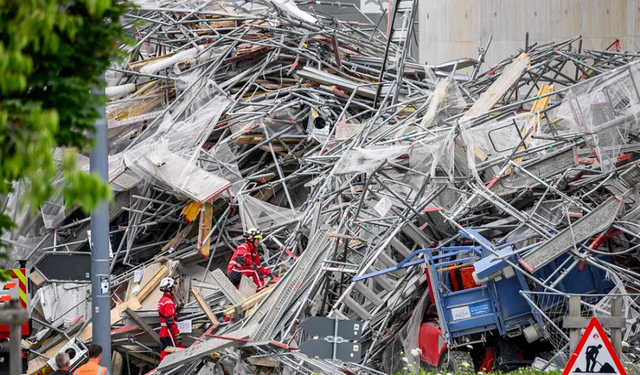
15, 337
335, 344
100, 291
14, 316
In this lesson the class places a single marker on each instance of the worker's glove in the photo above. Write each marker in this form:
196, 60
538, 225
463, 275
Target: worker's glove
265, 271
244, 261
178, 339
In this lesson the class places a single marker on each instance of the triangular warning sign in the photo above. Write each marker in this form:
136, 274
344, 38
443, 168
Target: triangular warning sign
594, 354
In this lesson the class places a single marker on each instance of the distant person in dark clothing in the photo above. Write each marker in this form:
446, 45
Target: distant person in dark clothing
63, 363
592, 353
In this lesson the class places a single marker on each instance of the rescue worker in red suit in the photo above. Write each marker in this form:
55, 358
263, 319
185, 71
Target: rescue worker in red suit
169, 331
246, 262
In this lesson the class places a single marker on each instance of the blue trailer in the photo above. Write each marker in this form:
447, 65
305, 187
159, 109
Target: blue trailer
492, 302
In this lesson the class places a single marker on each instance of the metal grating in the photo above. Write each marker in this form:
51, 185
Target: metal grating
631, 176
225, 286
545, 168
594, 223
275, 305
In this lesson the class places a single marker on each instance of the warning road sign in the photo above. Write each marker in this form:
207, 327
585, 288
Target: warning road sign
594, 354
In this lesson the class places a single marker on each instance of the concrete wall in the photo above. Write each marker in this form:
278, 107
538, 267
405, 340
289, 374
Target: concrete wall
451, 29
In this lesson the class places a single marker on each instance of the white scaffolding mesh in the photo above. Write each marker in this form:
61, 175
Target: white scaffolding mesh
426, 155
446, 99
367, 160
223, 166
606, 110
255, 213
495, 139
169, 156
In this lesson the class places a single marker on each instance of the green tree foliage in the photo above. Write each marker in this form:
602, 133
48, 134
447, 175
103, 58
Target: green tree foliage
52, 52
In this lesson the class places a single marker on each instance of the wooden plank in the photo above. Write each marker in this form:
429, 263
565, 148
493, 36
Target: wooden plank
145, 327
151, 284
26, 344
132, 303
204, 306
206, 222
248, 303
537, 106
191, 211
36, 364
579, 322
500, 86
263, 362
173, 349
276, 148
178, 239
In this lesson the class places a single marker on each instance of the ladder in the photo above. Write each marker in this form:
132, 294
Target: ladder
366, 299
399, 37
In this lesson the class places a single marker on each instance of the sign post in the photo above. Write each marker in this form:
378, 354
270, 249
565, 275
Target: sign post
574, 322
594, 354
342, 345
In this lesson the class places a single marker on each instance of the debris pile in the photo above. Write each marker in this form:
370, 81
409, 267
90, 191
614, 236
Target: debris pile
451, 208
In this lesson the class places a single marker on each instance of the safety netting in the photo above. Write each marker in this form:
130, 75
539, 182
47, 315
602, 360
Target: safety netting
446, 100
255, 213
606, 110
431, 154
402, 354
170, 155
220, 160
495, 139
367, 160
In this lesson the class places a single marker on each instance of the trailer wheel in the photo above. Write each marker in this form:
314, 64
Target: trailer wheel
457, 360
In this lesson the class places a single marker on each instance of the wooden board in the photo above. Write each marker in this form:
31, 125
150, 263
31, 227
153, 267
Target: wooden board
248, 303
204, 306
151, 284
500, 86
145, 327
132, 303
178, 239
537, 106
206, 222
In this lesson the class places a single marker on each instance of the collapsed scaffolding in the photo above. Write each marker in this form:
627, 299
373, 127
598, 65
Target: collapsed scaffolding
364, 169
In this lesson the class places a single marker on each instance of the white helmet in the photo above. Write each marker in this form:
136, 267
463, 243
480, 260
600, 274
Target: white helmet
166, 284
